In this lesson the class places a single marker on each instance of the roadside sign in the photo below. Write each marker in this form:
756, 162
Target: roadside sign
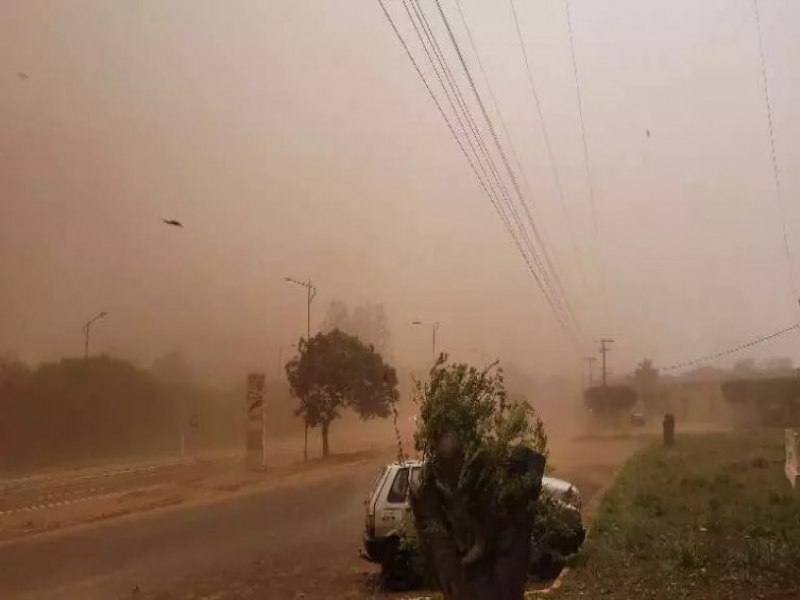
254, 428
792, 457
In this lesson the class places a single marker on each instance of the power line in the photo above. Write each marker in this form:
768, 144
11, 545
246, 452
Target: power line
604, 350
558, 304
471, 163
431, 37
458, 100
462, 107
510, 171
586, 161
442, 62
773, 154
733, 350
545, 136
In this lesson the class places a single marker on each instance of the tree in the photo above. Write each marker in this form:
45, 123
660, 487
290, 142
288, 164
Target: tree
172, 368
484, 456
334, 371
645, 380
608, 401
646, 376
367, 322
778, 364
744, 366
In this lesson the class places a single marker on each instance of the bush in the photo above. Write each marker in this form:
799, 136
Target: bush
484, 457
612, 399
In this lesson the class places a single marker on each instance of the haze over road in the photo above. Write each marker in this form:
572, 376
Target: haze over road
309, 527
300, 535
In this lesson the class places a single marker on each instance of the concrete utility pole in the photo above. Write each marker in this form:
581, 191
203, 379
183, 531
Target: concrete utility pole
604, 349
86, 331
434, 328
311, 293
590, 360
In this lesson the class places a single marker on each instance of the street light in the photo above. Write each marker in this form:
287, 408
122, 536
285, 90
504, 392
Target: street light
280, 354
311, 292
434, 329
86, 329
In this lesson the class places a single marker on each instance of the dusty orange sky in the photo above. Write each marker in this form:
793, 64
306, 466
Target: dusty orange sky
293, 138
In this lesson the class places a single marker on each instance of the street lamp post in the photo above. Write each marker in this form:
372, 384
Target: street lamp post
280, 354
86, 331
434, 329
311, 292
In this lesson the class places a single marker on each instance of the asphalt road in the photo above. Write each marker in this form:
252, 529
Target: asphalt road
299, 536
305, 532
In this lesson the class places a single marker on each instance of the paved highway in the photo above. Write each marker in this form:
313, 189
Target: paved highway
296, 535
304, 533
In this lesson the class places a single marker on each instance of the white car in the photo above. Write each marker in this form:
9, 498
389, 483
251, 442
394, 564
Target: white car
387, 506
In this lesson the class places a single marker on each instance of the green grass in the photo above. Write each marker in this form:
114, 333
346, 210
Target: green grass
713, 517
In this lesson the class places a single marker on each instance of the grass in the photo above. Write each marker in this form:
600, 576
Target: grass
713, 517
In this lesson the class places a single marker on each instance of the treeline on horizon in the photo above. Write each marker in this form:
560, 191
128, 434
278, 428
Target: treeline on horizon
77, 410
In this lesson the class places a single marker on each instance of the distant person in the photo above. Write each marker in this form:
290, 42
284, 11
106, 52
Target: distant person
668, 426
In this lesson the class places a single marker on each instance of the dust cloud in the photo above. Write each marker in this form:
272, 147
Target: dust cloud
292, 139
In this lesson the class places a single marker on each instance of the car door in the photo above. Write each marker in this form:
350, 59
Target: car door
391, 508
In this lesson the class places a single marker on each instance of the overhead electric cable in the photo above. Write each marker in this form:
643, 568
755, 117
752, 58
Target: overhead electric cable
773, 154
471, 163
545, 134
726, 352
510, 171
484, 185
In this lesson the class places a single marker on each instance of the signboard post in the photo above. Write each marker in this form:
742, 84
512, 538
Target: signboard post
792, 457
254, 428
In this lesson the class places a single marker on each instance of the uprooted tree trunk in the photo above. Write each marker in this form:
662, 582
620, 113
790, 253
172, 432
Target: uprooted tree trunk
478, 547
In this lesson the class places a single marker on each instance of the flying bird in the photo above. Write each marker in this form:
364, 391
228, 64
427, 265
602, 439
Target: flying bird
22, 75
173, 222
647, 131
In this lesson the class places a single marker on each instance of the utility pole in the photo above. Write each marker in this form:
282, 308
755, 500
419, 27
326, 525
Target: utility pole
86, 330
434, 328
590, 360
604, 349
311, 293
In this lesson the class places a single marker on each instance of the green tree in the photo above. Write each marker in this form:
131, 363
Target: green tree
609, 401
646, 376
334, 371
645, 381
484, 458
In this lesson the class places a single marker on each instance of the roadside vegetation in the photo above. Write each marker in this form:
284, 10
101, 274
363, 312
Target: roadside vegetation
335, 371
480, 524
83, 410
712, 517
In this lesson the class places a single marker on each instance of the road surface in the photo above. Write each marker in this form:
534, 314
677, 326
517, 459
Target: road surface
305, 528
298, 536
